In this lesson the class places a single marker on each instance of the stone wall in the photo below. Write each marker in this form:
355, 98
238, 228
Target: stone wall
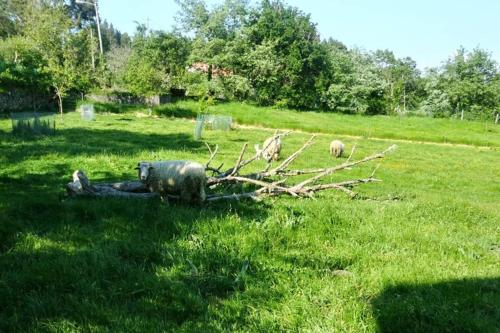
128, 98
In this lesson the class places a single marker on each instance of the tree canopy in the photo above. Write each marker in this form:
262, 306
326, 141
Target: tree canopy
270, 53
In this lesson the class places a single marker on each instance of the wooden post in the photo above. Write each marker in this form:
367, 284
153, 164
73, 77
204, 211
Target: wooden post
497, 118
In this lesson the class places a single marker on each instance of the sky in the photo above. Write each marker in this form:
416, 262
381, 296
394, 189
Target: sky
429, 31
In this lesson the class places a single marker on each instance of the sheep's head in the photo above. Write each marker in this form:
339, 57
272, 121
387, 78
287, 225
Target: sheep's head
143, 169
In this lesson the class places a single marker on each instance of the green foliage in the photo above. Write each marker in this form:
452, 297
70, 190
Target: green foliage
357, 87
196, 85
12, 17
20, 65
270, 53
156, 63
470, 81
117, 59
64, 52
286, 61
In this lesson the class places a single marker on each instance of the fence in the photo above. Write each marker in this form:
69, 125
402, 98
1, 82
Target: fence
32, 123
212, 122
87, 112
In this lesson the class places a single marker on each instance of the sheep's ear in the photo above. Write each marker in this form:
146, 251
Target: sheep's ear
138, 167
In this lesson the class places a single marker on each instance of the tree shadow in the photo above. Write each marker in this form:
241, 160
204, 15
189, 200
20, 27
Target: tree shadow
82, 141
112, 264
108, 263
468, 305
174, 110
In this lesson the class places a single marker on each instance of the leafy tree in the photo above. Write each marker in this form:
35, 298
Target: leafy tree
403, 86
20, 64
64, 51
215, 31
12, 17
116, 64
469, 79
157, 62
284, 41
356, 84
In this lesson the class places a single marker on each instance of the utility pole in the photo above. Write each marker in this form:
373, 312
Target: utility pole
96, 8
98, 25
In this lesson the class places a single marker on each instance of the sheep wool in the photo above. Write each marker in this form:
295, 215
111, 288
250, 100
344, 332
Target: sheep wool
270, 149
336, 148
184, 178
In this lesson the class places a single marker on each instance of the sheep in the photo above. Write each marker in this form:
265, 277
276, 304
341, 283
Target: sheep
184, 178
270, 149
336, 148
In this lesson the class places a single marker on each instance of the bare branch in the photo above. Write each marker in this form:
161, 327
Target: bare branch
212, 154
352, 153
256, 156
344, 165
292, 157
238, 162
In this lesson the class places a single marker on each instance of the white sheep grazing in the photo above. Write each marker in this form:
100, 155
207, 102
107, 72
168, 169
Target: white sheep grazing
270, 149
336, 148
184, 178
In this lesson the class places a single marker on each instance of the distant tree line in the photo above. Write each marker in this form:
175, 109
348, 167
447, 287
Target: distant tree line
270, 54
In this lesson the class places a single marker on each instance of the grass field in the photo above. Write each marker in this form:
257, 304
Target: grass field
384, 127
419, 252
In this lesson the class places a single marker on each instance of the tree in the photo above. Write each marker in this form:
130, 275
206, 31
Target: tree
215, 31
293, 53
469, 79
403, 87
20, 64
157, 62
63, 49
356, 84
12, 17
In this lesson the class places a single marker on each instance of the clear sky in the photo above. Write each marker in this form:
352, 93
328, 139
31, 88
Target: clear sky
429, 31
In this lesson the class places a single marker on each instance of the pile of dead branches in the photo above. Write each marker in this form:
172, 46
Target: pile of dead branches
269, 182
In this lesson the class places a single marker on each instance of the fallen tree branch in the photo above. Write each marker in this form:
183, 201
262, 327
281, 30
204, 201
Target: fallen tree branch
212, 154
80, 186
260, 184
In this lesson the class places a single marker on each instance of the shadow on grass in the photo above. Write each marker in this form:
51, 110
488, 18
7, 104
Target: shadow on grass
469, 305
82, 141
115, 108
111, 264
174, 110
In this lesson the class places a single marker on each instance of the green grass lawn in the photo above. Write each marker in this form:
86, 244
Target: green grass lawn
384, 127
418, 252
